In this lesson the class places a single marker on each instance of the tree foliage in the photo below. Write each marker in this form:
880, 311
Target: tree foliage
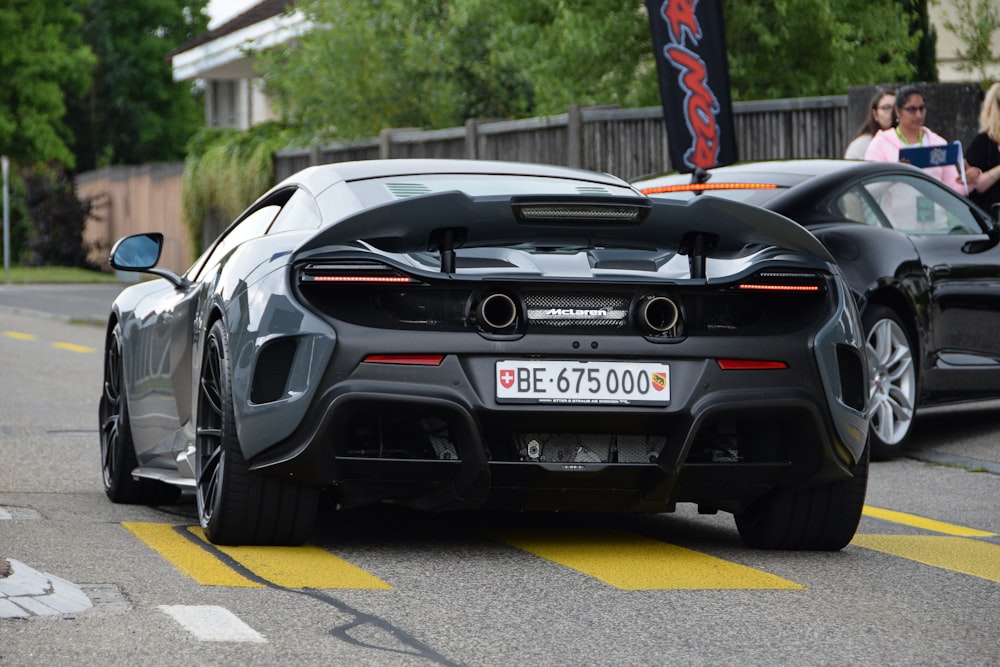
43, 59
796, 48
374, 64
974, 22
134, 111
225, 171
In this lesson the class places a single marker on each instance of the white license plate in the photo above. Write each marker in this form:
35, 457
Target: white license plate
582, 382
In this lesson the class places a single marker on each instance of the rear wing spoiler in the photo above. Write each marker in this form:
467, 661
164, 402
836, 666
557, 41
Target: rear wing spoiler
701, 227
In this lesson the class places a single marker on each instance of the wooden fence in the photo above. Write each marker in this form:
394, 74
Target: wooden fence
625, 142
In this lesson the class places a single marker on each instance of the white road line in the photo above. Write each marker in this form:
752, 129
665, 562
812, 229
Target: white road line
212, 624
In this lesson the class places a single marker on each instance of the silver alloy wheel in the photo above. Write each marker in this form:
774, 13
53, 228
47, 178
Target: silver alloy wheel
892, 381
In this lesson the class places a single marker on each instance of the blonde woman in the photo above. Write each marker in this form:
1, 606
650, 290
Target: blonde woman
983, 151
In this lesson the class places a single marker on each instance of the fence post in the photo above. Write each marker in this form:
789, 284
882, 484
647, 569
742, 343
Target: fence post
472, 138
385, 144
574, 137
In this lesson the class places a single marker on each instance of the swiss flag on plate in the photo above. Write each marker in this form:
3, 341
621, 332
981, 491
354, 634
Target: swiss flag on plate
507, 378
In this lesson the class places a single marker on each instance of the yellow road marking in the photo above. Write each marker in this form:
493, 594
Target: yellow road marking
288, 567
956, 554
16, 335
73, 348
921, 522
188, 557
299, 567
632, 562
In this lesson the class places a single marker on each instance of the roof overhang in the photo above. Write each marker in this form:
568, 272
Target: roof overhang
226, 57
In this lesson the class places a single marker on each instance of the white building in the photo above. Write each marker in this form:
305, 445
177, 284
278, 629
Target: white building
219, 59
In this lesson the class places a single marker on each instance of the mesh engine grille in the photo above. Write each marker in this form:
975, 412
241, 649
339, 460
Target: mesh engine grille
564, 310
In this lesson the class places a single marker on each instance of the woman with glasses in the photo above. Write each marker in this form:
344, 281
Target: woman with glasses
880, 117
911, 110
983, 151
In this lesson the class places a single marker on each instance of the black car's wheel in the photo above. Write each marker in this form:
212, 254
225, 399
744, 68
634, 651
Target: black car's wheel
820, 518
236, 505
892, 381
117, 452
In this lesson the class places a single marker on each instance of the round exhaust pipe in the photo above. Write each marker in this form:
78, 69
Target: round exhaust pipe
496, 313
657, 315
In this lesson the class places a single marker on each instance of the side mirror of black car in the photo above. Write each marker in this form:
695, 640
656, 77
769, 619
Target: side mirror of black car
140, 252
992, 234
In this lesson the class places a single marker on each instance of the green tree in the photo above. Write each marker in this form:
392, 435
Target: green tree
924, 56
43, 59
135, 112
974, 22
796, 48
393, 63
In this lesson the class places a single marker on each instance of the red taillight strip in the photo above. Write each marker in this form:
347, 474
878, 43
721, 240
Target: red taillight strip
359, 279
749, 364
406, 359
779, 288
701, 187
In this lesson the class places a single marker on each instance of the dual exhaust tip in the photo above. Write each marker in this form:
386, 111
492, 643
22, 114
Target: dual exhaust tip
499, 313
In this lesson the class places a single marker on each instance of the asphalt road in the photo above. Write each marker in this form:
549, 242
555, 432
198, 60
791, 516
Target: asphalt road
920, 585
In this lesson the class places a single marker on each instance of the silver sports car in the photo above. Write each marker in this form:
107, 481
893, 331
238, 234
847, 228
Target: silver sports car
450, 334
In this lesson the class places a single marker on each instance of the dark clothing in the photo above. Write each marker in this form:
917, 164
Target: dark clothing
983, 152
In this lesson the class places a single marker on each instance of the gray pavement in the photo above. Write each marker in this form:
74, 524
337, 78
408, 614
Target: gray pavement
945, 436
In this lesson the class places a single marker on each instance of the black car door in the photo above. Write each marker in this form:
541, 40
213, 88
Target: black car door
964, 301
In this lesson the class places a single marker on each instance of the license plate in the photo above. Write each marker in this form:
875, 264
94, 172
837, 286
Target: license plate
583, 382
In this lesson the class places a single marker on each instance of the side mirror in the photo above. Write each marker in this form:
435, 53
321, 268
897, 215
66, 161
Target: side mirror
140, 252
992, 234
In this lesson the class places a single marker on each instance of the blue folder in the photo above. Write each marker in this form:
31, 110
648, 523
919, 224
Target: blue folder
932, 156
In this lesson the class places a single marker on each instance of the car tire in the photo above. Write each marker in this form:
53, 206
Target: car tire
818, 518
892, 381
118, 458
236, 505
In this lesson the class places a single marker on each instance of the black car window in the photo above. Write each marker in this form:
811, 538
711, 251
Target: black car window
300, 212
252, 226
854, 205
918, 206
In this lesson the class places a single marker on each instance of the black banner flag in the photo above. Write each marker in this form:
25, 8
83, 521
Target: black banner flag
689, 44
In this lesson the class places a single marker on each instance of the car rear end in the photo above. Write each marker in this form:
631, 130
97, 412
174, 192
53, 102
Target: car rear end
575, 352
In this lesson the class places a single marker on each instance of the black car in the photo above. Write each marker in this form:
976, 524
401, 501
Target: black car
921, 260
464, 334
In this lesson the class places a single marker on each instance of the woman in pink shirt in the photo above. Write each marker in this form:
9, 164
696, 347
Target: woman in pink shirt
911, 110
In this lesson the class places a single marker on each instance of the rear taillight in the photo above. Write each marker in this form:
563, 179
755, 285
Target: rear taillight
353, 272
783, 281
705, 187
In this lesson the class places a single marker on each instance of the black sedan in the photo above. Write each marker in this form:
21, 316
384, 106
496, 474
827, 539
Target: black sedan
461, 335
921, 260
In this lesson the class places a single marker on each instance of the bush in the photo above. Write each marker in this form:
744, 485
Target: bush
55, 218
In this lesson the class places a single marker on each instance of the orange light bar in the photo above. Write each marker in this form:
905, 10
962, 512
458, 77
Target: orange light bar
360, 279
750, 364
779, 288
406, 359
701, 187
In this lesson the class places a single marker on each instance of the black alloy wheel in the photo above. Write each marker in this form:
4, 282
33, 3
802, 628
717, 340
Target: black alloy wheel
236, 505
118, 458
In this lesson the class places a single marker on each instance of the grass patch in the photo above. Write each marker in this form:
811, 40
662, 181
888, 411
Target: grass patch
55, 274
